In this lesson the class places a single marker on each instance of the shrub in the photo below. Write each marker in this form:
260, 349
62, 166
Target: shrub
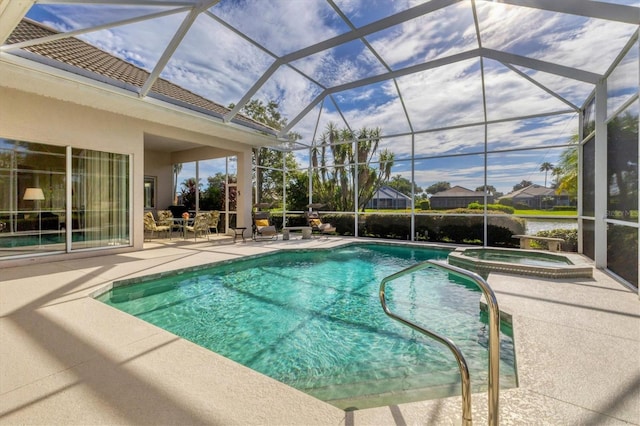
469, 229
342, 222
475, 206
492, 207
425, 205
387, 226
292, 220
444, 228
570, 237
516, 225
505, 209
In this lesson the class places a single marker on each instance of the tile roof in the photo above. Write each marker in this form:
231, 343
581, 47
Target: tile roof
386, 192
77, 56
458, 191
531, 191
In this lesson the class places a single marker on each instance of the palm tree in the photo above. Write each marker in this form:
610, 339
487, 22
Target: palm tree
546, 167
355, 156
491, 190
177, 168
189, 192
567, 174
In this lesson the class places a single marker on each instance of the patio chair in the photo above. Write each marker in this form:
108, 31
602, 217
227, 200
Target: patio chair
214, 219
200, 225
151, 225
262, 227
316, 224
165, 218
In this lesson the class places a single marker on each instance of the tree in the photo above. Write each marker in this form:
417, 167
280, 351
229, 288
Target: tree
177, 168
269, 173
268, 114
622, 163
297, 190
546, 167
269, 164
566, 172
438, 187
189, 192
212, 198
523, 184
491, 190
403, 185
353, 155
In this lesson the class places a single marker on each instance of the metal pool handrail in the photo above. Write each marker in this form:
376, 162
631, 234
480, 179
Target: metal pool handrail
494, 337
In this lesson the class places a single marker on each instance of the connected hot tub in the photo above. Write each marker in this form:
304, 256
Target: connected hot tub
520, 262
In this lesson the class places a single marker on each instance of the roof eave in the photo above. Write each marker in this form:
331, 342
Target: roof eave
43, 79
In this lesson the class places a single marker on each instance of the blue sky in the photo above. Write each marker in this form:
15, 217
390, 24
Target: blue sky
220, 65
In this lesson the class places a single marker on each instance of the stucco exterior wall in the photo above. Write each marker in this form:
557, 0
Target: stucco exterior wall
32, 118
35, 118
158, 165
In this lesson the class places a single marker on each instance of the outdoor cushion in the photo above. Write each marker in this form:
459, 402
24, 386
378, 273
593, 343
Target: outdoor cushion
262, 222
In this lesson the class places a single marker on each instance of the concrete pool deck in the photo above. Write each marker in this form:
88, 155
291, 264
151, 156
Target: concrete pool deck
68, 359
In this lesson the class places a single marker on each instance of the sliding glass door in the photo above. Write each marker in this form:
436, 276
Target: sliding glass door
99, 200
34, 204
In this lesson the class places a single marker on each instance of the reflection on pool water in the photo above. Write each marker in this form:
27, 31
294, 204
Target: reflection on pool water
313, 320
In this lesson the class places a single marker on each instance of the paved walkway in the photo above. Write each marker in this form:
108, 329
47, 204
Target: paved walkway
68, 359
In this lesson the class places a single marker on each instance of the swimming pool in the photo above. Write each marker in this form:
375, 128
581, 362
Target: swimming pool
313, 320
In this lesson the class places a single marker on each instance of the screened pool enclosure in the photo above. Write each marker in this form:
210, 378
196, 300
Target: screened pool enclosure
441, 120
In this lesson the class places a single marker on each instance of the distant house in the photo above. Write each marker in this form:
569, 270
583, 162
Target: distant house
457, 197
388, 198
537, 197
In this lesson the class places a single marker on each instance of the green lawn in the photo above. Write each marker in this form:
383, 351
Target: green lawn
545, 213
571, 213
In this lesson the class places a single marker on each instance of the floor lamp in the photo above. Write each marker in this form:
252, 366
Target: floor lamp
35, 194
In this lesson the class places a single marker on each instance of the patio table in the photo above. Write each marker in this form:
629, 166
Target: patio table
182, 223
239, 231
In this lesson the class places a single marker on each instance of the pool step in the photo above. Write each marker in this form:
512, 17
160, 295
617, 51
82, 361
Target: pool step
398, 388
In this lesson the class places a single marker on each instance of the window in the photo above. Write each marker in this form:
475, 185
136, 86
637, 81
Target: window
149, 192
32, 198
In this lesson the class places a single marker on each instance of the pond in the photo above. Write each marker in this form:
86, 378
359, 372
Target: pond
532, 226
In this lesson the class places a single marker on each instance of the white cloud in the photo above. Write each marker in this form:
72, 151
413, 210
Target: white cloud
438, 34
221, 66
443, 96
454, 141
554, 37
282, 26
362, 12
510, 95
216, 63
141, 43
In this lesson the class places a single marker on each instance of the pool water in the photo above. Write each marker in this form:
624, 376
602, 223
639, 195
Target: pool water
313, 320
